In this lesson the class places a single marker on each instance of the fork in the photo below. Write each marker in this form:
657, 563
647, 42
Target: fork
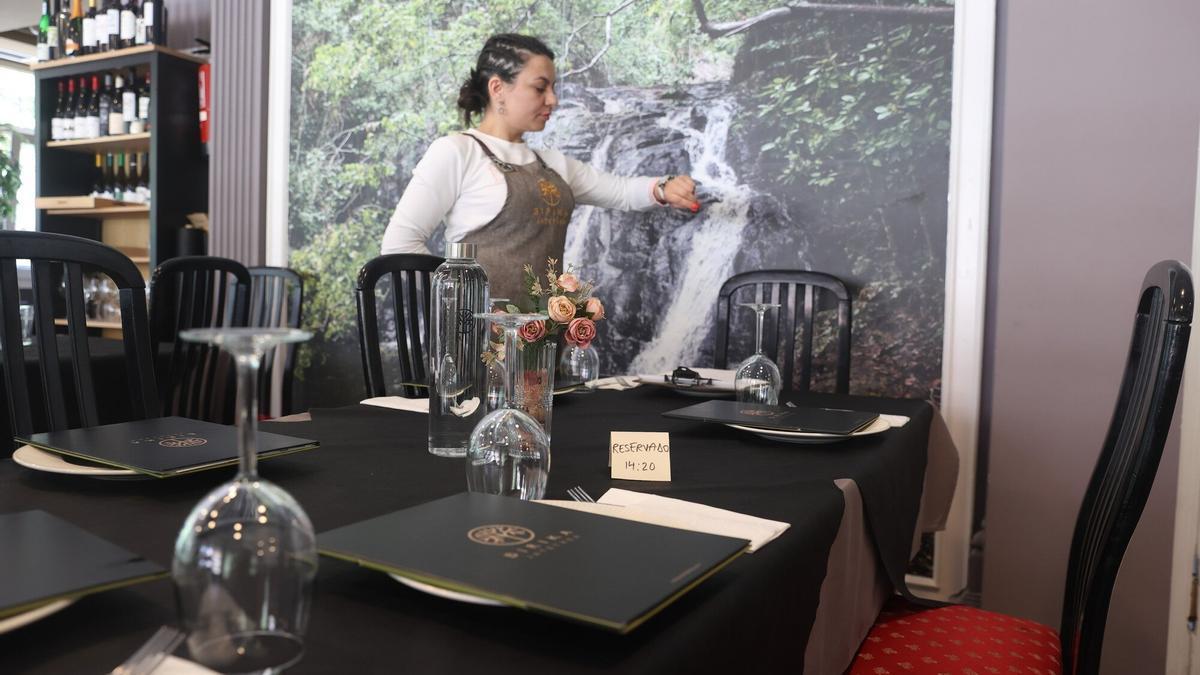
152, 653
580, 495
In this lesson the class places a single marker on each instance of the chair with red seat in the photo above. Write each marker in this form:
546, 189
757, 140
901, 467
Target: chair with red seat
911, 639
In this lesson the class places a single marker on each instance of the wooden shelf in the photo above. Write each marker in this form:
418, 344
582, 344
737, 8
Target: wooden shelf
102, 211
100, 58
93, 323
104, 144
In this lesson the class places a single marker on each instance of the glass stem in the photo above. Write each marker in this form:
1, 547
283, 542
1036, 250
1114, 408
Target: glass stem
758, 349
247, 413
512, 366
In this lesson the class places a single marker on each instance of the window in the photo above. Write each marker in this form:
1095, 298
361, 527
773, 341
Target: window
17, 121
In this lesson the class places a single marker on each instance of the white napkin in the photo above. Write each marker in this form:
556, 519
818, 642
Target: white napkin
683, 515
722, 380
417, 405
173, 665
619, 383
894, 421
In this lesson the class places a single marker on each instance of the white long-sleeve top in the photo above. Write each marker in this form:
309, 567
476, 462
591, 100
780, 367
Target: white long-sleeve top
455, 182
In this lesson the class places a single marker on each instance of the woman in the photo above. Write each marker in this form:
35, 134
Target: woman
494, 191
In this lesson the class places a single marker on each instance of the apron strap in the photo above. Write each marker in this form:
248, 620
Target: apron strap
500, 164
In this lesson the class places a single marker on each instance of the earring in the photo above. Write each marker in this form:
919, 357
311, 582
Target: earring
500, 109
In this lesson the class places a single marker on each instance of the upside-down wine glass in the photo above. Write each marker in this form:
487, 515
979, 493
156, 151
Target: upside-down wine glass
509, 452
758, 379
246, 555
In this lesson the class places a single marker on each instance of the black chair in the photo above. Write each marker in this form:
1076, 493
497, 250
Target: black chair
1116, 493
53, 257
197, 292
787, 287
410, 302
276, 300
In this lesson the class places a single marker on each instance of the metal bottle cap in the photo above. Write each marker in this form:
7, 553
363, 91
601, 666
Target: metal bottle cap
460, 251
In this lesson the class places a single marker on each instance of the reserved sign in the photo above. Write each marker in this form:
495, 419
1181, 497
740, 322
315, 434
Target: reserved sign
640, 455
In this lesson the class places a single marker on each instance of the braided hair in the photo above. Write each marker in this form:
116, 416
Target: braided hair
503, 55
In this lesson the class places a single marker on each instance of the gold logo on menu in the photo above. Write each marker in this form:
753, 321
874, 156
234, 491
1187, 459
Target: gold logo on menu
550, 193
501, 535
762, 413
186, 442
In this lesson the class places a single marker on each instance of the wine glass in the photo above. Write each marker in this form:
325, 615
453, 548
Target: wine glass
580, 364
246, 555
494, 385
758, 379
509, 452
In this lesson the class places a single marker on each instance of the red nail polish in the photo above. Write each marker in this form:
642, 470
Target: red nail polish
695, 208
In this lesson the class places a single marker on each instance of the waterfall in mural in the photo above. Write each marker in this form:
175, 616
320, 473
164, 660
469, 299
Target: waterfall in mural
660, 274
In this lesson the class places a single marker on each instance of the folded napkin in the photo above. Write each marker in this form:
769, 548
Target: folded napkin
894, 421
417, 405
668, 512
618, 383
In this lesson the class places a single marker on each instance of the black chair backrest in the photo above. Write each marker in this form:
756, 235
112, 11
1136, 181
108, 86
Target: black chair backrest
795, 291
55, 256
276, 299
1121, 481
197, 292
409, 275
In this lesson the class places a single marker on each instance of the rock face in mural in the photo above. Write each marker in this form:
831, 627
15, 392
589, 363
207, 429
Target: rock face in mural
820, 143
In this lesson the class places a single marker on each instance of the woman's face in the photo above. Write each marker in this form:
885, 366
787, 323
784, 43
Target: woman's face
530, 97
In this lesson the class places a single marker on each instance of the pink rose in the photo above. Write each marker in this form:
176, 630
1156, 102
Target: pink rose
533, 331
581, 332
560, 308
569, 282
595, 308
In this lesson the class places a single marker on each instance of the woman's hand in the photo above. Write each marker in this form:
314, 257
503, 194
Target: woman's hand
680, 192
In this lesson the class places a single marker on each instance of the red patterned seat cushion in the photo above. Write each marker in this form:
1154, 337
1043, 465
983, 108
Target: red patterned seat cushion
958, 640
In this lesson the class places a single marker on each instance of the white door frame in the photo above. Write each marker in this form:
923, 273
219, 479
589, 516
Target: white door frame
1181, 640
966, 278
279, 128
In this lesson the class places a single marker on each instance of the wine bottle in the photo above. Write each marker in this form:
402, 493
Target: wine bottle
143, 181
43, 43
113, 24
151, 12
110, 177
98, 182
106, 105
56, 117
128, 24
67, 121
119, 179
143, 103
129, 104
73, 41
116, 116
93, 111
89, 42
139, 26
80, 113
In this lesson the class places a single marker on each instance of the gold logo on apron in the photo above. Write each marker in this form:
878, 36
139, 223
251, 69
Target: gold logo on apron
550, 193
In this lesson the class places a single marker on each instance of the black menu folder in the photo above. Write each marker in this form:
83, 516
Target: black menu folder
44, 558
597, 570
162, 446
809, 420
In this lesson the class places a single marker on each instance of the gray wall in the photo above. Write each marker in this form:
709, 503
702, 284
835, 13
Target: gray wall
1094, 167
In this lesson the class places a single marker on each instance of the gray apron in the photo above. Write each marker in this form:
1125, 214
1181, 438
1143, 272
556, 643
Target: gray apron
530, 227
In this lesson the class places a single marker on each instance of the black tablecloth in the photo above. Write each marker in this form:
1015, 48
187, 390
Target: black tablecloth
755, 614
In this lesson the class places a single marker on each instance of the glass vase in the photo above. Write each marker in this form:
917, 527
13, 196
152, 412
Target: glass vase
534, 393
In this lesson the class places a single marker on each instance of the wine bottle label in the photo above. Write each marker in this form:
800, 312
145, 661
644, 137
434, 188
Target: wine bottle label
129, 105
79, 128
144, 107
102, 29
114, 21
128, 24
52, 37
148, 14
116, 123
56, 129
139, 31
43, 51
89, 33
135, 126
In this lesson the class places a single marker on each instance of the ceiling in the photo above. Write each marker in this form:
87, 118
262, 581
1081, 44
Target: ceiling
15, 14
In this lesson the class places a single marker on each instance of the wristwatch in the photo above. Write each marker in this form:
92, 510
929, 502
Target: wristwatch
660, 189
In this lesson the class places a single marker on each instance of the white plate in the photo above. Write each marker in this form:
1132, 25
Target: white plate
40, 460
805, 437
445, 592
173, 665
28, 617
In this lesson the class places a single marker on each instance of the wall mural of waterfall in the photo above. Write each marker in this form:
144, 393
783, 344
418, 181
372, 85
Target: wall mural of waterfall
819, 132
